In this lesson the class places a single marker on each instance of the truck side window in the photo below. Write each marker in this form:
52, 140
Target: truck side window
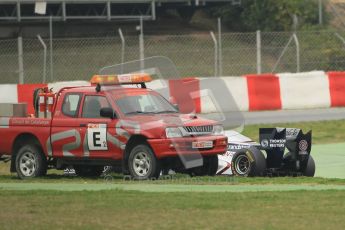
71, 104
92, 106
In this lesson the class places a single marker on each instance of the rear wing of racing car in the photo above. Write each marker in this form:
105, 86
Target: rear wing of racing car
275, 142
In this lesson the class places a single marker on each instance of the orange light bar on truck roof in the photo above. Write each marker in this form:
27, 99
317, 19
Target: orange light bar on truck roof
135, 78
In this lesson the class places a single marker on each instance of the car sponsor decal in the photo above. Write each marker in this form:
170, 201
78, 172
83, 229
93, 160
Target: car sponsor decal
228, 165
228, 154
273, 143
235, 147
303, 147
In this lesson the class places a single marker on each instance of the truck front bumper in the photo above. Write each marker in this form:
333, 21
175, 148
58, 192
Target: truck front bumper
184, 146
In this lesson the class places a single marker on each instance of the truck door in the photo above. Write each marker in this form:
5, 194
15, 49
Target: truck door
66, 139
100, 139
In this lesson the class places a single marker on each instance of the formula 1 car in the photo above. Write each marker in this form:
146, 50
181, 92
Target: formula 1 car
281, 152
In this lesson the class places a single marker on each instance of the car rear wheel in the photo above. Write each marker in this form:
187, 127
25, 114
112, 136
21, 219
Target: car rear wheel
142, 163
248, 163
30, 162
310, 168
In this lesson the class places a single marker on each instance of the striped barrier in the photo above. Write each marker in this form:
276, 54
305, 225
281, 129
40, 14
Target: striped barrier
263, 92
304, 90
337, 88
308, 90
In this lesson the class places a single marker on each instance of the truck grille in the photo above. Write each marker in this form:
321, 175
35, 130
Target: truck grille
199, 130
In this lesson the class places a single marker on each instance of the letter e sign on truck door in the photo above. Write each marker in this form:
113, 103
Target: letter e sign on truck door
97, 136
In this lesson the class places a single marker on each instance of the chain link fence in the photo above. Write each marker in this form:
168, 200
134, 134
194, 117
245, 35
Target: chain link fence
8, 61
194, 54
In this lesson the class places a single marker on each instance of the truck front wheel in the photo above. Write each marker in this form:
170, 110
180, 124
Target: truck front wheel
142, 163
30, 162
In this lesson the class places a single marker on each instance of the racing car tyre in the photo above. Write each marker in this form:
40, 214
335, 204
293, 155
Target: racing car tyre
30, 162
88, 170
209, 168
310, 169
143, 164
250, 162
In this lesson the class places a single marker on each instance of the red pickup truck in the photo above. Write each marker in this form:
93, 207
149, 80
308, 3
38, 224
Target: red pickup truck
108, 123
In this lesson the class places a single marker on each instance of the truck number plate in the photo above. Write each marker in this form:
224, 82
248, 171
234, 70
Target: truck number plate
202, 144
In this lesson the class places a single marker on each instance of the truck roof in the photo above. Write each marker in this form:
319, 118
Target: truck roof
117, 88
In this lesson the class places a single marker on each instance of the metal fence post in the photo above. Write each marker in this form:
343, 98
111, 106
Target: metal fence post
141, 44
320, 12
153, 10
44, 58
220, 59
20, 61
51, 47
215, 54
258, 52
282, 54
123, 43
297, 52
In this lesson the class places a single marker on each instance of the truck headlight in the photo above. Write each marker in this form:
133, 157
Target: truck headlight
218, 130
173, 132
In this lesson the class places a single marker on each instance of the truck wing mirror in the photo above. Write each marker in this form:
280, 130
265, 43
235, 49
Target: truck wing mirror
107, 112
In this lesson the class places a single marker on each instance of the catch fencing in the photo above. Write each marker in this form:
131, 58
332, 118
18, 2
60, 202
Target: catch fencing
23, 60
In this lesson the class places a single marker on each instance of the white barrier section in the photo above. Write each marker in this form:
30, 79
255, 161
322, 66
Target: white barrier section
304, 90
231, 94
9, 93
161, 86
56, 86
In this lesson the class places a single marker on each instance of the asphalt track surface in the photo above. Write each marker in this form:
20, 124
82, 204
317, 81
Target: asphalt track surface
329, 160
289, 116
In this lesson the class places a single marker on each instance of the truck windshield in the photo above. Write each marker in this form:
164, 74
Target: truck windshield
144, 103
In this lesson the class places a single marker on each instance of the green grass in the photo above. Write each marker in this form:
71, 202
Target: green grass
179, 179
116, 209
181, 202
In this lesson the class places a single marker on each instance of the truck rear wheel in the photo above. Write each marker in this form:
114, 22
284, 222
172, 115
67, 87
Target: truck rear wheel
142, 163
249, 163
30, 162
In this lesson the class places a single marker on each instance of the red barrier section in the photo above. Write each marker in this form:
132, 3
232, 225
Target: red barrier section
337, 88
263, 92
181, 90
25, 94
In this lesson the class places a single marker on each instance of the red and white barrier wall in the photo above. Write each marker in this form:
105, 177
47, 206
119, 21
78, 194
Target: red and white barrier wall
308, 90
